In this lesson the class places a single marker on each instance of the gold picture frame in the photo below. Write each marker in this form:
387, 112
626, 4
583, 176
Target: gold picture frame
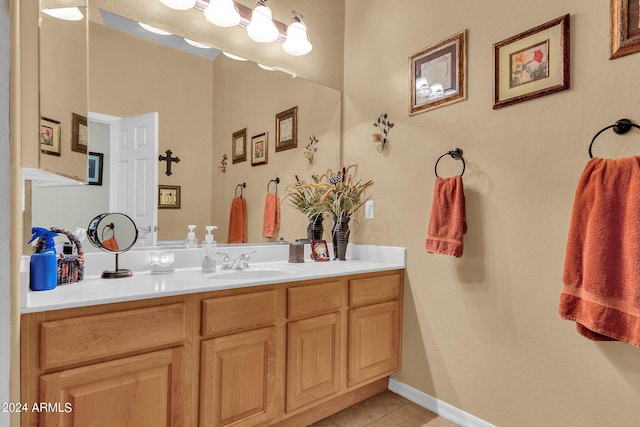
50, 136
79, 133
625, 28
532, 64
168, 197
260, 149
438, 74
239, 146
287, 129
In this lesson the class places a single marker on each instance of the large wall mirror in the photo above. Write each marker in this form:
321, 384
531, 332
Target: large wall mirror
200, 103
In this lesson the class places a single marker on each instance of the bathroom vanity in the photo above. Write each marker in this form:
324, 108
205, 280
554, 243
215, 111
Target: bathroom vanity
283, 350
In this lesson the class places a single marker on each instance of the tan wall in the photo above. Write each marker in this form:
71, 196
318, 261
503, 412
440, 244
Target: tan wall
63, 89
247, 96
178, 86
482, 332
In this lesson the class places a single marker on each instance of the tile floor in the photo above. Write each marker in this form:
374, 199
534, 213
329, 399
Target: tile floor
386, 409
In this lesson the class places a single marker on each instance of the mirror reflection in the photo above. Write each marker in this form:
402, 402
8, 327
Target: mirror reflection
200, 103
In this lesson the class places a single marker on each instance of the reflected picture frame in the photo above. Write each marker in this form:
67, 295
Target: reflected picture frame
320, 250
79, 133
50, 131
95, 163
438, 74
287, 129
168, 197
260, 149
532, 64
239, 146
625, 28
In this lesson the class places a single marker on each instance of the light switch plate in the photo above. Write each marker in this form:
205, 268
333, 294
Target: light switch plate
369, 209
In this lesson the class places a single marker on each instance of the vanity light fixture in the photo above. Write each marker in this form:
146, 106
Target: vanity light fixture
232, 56
297, 42
222, 13
179, 4
154, 29
261, 29
65, 13
266, 67
196, 44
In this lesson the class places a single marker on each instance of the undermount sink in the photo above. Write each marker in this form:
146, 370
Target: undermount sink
256, 273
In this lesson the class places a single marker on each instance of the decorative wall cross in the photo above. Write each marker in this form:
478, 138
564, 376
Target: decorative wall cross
168, 159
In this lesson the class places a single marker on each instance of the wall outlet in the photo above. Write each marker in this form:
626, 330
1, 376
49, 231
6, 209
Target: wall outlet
369, 209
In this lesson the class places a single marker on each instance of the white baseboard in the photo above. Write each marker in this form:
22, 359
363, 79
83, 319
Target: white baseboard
441, 408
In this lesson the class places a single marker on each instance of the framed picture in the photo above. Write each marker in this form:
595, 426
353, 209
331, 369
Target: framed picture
49, 136
239, 146
287, 129
259, 149
168, 196
625, 28
319, 250
438, 74
95, 164
79, 133
532, 64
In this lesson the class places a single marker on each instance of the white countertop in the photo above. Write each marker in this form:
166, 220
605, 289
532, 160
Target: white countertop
270, 267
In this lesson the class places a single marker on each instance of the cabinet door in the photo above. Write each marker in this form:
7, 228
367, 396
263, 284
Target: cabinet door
144, 390
374, 342
237, 379
313, 359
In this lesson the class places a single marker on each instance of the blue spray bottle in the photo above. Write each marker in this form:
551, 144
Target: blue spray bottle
44, 265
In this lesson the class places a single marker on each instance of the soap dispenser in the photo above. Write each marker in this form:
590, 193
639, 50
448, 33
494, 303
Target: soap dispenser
209, 251
191, 240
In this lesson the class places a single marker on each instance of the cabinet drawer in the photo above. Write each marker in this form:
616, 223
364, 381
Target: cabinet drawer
372, 290
237, 312
86, 338
313, 299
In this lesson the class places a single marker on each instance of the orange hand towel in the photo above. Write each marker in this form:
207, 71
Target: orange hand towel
448, 222
238, 221
601, 277
271, 221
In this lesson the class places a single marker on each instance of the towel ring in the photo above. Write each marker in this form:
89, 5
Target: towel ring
455, 153
620, 127
243, 185
276, 181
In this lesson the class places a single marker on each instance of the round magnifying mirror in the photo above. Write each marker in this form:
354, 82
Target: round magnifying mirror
115, 233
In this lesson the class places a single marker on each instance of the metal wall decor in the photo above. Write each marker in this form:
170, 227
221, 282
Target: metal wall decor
384, 124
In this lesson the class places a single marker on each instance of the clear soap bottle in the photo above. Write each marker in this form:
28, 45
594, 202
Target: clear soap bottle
209, 251
191, 240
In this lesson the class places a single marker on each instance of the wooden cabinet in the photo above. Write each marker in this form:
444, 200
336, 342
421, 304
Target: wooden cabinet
286, 354
237, 379
140, 390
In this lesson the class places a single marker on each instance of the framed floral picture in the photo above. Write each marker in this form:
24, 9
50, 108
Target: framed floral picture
438, 74
49, 136
239, 146
260, 149
532, 64
287, 129
625, 28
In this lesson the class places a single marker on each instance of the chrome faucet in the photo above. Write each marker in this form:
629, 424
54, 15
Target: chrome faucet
240, 263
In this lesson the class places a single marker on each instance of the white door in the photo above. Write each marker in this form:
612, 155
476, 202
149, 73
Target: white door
134, 173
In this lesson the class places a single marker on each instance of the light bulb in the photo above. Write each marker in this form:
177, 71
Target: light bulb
297, 42
232, 56
154, 29
222, 13
261, 28
197, 44
266, 67
65, 13
179, 4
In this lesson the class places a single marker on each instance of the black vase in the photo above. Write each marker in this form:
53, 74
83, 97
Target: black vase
341, 237
315, 229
